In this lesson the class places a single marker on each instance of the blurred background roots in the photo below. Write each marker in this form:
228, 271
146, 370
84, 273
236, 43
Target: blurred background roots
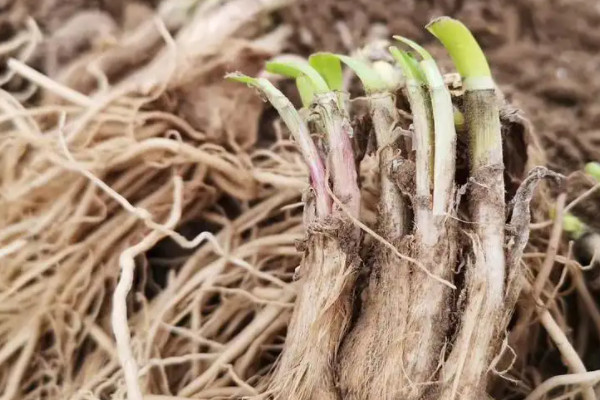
120, 137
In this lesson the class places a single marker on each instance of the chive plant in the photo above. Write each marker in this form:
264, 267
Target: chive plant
483, 121
384, 338
366, 349
419, 100
445, 133
379, 92
335, 122
486, 280
435, 226
323, 306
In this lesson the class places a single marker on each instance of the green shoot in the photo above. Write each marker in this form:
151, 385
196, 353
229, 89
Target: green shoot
459, 119
473, 67
443, 121
420, 105
465, 52
330, 69
305, 89
334, 120
593, 169
482, 114
432, 73
295, 69
299, 131
371, 80
412, 71
384, 116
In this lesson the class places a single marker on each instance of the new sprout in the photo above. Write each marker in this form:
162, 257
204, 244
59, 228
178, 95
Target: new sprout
334, 120
487, 204
483, 122
384, 116
444, 163
300, 133
573, 226
420, 104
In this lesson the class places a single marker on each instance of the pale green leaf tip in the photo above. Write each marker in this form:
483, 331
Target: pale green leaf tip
306, 91
370, 79
264, 85
292, 69
593, 169
415, 46
409, 67
330, 69
287, 69
458, 40
459, 118
428, 66
239, 77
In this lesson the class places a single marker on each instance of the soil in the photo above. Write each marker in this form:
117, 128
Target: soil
544, 55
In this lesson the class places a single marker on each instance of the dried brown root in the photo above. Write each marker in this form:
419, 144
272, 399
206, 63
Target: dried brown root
213, 326
205, 322
321, 315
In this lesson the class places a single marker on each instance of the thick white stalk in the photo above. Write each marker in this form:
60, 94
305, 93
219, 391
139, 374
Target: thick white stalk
423, 138
445, 138
487, 171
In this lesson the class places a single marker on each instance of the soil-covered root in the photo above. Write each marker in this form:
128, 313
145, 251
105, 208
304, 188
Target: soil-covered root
428, 320
395, 347
371, 357
321, 315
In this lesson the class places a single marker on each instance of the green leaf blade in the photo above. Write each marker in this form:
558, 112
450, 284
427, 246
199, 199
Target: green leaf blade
305, 89
299, 131
370, 79
415, 46
432, 73
330, 69
295, 69
411, 70
462, 46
